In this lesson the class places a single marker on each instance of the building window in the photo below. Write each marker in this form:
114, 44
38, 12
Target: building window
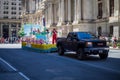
13, 17
13, 12
13, 8
111, 5
19, 4
19, 25
100, 10
13, 25
111, 31
20, 8
5, 12
13, 3
6, 3
19, 13
5, 17
5, 7
99, 31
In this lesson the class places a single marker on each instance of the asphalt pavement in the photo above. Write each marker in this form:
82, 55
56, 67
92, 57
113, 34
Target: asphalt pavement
7, 72
18, 64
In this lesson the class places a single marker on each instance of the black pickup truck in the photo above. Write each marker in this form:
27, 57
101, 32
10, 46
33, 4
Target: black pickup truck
83, 43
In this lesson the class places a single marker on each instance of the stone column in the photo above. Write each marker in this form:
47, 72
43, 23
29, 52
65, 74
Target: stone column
46, 17
25, 6
2, 29
119, 6
51, 14
95, 7
88, 9
10, 33
59, 11
78, 10
116, 7
75, 11
105, 9
62, 11
55, 15
17, 30
69, 11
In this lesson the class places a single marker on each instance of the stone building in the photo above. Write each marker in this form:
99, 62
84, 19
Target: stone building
10, 19
100, 17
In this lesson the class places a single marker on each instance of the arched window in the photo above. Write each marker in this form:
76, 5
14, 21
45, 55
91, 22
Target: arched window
111, 30
99, 31
100, 10
111, 5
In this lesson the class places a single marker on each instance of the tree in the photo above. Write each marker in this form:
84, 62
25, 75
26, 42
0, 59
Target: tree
21, 32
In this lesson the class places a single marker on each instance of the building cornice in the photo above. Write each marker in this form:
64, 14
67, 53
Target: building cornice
10, 20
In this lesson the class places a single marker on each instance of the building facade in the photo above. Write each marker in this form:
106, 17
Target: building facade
10, 18
100, 17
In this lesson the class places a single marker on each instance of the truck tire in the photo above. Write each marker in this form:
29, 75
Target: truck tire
80, 54
103, 56
60, 50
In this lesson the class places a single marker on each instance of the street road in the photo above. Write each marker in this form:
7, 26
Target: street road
51, 66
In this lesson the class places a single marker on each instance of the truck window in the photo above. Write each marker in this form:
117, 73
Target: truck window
85, 35
69, 37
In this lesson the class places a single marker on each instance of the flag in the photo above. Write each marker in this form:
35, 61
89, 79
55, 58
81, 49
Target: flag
44, 21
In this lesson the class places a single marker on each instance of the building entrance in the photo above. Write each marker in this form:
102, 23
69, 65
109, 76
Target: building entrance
5, 31
99, 31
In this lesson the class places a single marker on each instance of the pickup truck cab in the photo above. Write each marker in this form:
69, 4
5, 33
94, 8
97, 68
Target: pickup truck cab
83, 43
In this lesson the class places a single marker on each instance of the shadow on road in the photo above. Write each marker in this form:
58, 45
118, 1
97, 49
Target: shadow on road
91, 58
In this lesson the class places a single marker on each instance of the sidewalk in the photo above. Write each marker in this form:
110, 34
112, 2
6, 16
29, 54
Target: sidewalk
10, 46
7, 73
114, 48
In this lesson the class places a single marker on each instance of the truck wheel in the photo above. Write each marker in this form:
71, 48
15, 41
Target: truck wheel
103, 56
80, 54
60, 50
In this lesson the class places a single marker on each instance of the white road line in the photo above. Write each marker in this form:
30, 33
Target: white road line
8, 64
14, 69
24, 76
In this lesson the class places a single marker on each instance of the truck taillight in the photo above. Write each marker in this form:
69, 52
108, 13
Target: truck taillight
89, 44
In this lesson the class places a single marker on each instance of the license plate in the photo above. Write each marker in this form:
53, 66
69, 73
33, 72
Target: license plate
100, 44
100, 51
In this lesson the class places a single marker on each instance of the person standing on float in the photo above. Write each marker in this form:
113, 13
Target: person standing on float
54, 36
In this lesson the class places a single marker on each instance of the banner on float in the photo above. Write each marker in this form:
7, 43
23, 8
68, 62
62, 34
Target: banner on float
31, 29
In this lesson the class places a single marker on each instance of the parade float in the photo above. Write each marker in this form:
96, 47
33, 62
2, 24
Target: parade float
38, 39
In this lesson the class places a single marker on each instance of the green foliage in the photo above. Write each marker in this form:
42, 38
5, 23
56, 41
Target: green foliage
118, 39
21, 32
109, 44
118, 44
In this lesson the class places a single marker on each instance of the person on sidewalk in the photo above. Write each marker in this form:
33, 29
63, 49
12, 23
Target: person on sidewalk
115, 42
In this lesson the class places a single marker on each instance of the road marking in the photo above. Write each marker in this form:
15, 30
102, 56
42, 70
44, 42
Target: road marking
14, 69
24, 76
8, 64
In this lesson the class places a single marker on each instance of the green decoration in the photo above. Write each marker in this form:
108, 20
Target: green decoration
21, 32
